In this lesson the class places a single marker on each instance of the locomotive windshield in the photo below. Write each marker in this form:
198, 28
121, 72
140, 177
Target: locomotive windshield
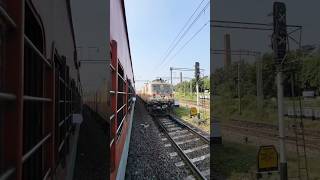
162, 88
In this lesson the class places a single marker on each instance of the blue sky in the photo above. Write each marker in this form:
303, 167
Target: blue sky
153, 25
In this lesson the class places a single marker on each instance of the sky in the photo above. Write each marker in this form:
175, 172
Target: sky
299, 12
153, 25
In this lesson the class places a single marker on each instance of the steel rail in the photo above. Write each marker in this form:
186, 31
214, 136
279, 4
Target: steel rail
193, 168
267, 134
189, 128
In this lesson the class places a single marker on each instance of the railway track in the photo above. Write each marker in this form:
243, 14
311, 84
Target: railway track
310, 141
192, 147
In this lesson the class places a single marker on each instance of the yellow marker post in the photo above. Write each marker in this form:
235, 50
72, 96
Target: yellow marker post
193, 111
267, 160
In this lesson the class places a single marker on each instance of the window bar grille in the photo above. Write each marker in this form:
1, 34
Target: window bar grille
47, 174
114, 87
112, 68
121, 123
122, 78
5, 15
61, 146
112, 141
7, 96
35, 49
7, 174
35, 148
112, 116
121, 108
127, 89
39, 99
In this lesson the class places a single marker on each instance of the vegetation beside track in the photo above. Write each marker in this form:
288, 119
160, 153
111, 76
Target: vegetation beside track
239, 161
226, 108
234, 160
185, 96
184, 113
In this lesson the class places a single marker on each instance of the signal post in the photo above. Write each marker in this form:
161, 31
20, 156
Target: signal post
197, 76
279, 45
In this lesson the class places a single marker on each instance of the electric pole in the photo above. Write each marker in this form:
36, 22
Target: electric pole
279, 44
239, 85
197, 76
259, 82
185, 88
171, 74
215, 133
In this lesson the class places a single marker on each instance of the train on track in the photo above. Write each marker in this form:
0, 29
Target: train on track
122, 90
158, 95
40, 89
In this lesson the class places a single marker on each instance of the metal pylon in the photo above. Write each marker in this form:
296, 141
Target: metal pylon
298, 127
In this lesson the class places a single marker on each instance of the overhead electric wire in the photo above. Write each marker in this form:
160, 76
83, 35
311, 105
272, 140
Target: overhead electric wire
185, 25
194, 35
187, 30
184, 33
187, 42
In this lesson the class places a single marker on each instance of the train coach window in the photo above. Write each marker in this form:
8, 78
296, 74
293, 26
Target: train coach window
121, 100
35, 102
33, 28
2, 59
75, 100
1, 138
64, 106
130, 95
2, 89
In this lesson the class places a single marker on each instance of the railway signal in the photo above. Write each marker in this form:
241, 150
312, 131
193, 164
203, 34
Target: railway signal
197, 76
197, 71
279, 42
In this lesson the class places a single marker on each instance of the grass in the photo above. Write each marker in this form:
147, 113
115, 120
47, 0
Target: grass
185, 96
313, 164
184, 113
238, 161
233, 160
226, 108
